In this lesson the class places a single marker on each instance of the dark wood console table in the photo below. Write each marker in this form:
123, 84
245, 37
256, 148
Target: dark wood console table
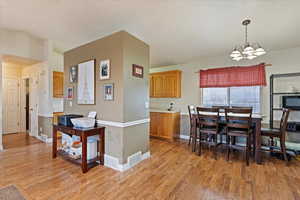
83, 134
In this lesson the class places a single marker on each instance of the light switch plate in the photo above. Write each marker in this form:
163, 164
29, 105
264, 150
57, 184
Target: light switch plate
146, 104
70, 103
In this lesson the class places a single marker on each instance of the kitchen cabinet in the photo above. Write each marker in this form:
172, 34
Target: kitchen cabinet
58, 84
165, 84
165, 125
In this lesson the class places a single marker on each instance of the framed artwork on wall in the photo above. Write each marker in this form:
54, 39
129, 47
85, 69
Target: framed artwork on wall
137, 71
104, 69
108, 91
73, 74
70, 93
86, 83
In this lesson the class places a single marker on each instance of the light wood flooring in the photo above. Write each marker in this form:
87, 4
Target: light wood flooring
14, 140
172, 172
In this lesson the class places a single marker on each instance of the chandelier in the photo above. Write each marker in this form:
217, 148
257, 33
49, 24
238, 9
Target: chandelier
247, 51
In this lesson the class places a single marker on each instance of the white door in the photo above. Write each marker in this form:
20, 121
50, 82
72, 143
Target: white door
11, 106
33, 106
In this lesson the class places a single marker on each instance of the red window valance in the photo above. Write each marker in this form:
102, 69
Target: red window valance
233, 76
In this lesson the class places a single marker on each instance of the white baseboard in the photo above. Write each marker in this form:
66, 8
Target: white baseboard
112, 162
45, 140
184, 137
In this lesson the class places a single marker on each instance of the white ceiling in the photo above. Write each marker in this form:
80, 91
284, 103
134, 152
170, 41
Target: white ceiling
176, 30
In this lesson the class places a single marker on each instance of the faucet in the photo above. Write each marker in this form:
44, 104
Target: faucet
171, 106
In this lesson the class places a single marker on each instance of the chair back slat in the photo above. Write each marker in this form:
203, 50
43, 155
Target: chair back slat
192, 111
284, 121
238, 118
221, 108
241, 107
208, 116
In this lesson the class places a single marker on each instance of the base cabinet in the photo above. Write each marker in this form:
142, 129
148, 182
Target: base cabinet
164, 125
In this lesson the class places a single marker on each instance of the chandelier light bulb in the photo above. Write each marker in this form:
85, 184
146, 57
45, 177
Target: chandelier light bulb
248, 50
250, 57
260, 51
235, 53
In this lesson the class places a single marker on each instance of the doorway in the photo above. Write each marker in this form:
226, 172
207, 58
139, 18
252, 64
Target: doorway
27, 103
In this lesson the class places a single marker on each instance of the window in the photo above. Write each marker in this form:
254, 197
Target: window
233, 96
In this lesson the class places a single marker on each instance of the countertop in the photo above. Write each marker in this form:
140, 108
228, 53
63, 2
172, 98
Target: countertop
163, 111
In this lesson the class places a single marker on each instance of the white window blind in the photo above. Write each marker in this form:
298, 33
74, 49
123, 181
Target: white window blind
233, 96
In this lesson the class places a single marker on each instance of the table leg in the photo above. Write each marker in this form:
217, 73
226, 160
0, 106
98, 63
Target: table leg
102, 147
258, 141
54, 143
84, 154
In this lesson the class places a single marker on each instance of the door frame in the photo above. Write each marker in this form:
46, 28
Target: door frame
32, 80
23, 103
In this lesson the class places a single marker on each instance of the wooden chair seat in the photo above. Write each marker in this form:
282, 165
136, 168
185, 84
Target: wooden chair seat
240, 133
270, 132
209, 131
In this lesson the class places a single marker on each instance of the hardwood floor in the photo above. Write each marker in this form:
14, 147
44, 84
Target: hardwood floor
15, 140
172, 172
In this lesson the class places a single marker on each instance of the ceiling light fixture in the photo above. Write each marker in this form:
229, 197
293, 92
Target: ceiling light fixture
247, 51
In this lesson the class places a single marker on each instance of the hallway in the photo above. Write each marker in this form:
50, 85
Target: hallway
16, 140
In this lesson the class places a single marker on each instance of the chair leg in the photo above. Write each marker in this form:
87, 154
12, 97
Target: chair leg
194, 139
215, 146
247, 150
192, 131
272, 143
199, 150
254, 143
228, 146
283, 150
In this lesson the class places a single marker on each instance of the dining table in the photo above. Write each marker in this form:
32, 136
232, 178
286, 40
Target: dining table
256, 122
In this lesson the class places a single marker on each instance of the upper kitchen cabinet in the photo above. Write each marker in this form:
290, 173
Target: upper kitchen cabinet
165, 84
58, 84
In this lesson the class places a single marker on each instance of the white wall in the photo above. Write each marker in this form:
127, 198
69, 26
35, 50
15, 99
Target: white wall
283, 61
21, 44
57, 64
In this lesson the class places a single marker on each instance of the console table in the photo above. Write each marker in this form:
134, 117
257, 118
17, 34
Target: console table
83, 133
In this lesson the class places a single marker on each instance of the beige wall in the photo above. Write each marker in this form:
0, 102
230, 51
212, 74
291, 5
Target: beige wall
136, 94
130, 93
106, 48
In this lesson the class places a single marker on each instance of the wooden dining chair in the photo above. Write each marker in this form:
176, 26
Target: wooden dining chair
193, 126
278, 133
208, 122
238, 124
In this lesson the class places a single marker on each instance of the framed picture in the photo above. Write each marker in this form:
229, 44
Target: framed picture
73, 74
70, 93
104, 69
86, 83
137, 71
108, 92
